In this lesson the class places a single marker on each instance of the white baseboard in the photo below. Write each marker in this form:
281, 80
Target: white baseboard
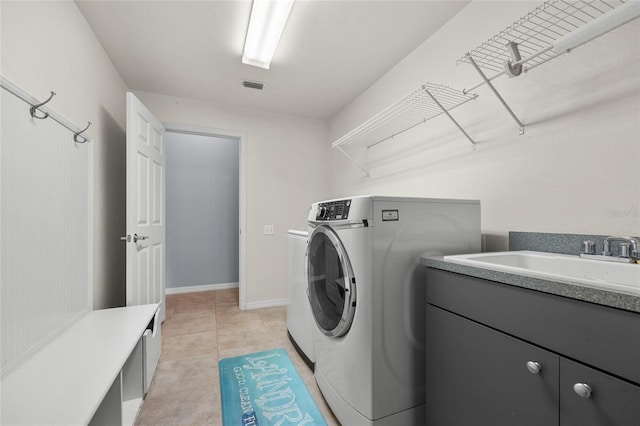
195, 288
266, 304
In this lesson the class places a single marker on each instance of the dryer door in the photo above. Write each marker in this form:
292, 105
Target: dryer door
332, 286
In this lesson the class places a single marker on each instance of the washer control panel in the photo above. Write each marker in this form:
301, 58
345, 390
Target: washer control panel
333, 210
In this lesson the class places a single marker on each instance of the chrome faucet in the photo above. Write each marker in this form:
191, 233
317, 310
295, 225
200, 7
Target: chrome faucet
629, 250
625, 242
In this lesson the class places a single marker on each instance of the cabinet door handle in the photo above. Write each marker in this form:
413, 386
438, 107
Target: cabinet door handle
534, 367
582, 389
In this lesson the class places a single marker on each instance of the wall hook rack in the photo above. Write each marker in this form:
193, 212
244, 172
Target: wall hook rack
34, 108
78, 137
50, 113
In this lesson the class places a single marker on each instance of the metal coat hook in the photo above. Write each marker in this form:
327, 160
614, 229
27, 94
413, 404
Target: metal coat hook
77, 135
34, 108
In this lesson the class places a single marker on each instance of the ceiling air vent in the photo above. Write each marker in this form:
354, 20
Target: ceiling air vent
253, 84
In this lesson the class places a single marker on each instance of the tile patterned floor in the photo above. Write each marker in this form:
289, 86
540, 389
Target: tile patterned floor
200, 329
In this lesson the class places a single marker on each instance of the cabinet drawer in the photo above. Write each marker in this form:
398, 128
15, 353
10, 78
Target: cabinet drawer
600, 336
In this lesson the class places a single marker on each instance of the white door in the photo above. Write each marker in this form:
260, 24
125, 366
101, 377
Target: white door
145, 206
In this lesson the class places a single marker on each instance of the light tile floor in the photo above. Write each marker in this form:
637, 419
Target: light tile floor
200, 329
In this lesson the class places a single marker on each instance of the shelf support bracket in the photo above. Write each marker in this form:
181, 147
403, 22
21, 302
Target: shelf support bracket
495, 92
353, 161
450, 117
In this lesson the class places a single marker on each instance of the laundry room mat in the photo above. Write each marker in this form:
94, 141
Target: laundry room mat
264, 388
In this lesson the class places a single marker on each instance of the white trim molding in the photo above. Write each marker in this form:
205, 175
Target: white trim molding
260, 304
196, 288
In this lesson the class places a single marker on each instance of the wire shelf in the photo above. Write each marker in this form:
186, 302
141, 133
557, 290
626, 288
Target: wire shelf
536, 31
421, 105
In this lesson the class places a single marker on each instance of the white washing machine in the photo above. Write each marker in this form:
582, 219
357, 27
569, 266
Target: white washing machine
300, 326
367, 294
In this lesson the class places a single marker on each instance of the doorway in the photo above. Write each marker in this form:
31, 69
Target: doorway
206, 216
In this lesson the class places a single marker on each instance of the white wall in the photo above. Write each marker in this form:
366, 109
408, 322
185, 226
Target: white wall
49, 46
45, 216
575, 170
202, 214
286, 172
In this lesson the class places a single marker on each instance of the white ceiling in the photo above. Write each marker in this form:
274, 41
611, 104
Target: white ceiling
330, 52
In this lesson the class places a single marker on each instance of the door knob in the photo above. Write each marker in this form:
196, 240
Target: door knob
582, 389
137, 238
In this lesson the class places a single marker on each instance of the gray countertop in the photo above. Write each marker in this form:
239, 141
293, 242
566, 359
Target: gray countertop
601, 297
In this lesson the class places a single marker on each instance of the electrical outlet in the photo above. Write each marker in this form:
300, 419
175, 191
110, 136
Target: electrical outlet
268, 230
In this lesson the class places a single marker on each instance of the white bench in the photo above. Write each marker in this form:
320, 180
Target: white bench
93, 373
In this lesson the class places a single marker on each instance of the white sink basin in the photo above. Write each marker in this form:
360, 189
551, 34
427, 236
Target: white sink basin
611, 276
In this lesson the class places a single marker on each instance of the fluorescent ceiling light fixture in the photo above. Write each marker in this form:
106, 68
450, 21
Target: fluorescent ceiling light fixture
268, 18
602, 24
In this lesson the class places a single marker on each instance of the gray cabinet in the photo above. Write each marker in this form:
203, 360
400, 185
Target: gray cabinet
612, 401
478, 376
488, 361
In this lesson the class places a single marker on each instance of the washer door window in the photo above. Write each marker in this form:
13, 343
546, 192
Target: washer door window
332, 289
